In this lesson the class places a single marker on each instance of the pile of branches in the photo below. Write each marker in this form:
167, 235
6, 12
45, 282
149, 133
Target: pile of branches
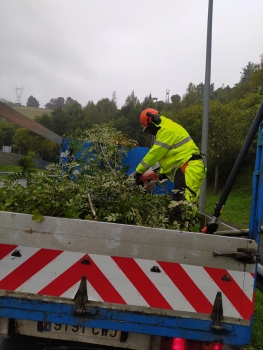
90, 183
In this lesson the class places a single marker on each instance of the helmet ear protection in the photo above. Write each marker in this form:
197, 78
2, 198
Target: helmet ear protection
154, 118
149, 115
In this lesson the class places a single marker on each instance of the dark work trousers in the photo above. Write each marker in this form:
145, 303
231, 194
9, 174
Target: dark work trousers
179, 186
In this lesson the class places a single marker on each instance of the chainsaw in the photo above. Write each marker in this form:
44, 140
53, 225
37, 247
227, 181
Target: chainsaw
150, 180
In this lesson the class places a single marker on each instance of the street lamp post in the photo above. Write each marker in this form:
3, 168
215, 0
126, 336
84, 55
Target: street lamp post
155, 99
202, 198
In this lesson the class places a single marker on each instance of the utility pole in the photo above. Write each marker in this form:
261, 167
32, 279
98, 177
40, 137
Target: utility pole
167, 100
19, 92
155, 99
202, 198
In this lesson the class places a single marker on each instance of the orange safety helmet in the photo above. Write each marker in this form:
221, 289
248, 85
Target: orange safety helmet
146, 116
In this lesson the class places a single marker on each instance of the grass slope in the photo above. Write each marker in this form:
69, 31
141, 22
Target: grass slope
236, 210
237, 207
257, 334
32, 112
8, 168
15, 169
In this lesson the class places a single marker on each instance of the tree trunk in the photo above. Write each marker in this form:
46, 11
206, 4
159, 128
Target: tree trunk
215, 191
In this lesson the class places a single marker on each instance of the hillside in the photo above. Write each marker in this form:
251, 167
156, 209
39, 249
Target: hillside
32, 112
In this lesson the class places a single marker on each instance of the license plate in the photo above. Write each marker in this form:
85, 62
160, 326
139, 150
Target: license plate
85, 331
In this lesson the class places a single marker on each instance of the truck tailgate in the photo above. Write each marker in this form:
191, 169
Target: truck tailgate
139, 279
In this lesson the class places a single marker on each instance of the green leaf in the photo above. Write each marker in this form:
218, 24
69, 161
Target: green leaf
37, 218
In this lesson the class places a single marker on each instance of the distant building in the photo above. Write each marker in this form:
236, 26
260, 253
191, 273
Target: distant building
7, 149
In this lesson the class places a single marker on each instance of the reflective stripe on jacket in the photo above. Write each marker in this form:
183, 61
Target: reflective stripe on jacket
172, 148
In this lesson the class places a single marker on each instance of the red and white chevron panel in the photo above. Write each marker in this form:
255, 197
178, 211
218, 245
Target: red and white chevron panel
126, 280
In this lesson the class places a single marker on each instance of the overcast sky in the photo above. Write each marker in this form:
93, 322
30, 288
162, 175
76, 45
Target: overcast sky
87, 49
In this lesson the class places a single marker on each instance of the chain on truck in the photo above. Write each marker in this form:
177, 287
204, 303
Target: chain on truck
130, 287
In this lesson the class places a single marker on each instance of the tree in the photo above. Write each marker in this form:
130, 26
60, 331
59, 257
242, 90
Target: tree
69, 101
114, 98
32, 102
132, 127
51, 104
192, 96
91, 114
131, 102
191, 119
160, 105
60, 102
45, 120
59, 121
148, 102
107, 110
229, 125
218, 139
247, 71
256, 78
56, 121
242, 115
200, 88
223, 94
26, 141
175, 98
74, 117
49, 150
7, 131
240, 90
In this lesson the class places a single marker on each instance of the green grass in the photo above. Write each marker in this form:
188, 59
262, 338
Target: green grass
237, 208
32, 112
8, 168
16, 168
257, 335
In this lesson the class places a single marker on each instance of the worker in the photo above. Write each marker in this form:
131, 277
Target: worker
179, 158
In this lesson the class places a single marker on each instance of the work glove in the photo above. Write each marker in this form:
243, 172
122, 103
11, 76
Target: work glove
138, 178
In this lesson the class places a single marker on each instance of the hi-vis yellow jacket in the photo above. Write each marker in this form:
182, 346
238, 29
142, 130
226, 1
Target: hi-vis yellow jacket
172, 148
